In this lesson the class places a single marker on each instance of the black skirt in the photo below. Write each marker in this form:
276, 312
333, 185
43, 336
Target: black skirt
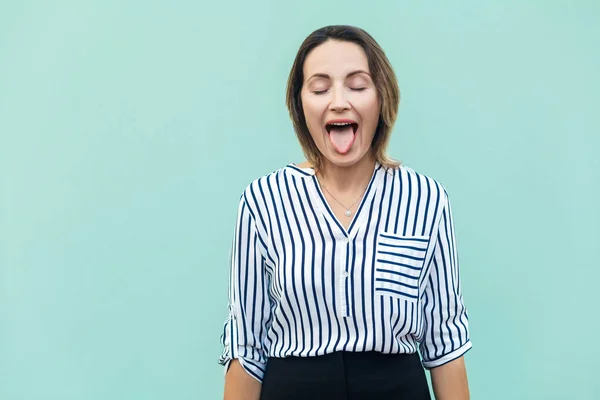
346, 376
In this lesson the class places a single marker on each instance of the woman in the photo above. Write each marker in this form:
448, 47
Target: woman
345, 265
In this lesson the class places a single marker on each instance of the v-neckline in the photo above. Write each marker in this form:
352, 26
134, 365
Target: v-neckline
326, 208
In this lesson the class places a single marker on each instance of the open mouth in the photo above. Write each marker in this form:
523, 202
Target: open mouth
341, 126
342, 134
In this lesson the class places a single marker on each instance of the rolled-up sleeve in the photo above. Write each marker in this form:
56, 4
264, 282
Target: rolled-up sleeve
245, 330
446, 327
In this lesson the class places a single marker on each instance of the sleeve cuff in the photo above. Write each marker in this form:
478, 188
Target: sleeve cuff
446, 358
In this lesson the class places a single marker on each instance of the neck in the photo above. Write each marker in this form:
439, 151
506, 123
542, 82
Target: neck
347, 179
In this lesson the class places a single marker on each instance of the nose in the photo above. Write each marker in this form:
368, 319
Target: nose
339, 102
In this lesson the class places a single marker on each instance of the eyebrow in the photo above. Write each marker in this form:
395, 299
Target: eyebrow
320, 75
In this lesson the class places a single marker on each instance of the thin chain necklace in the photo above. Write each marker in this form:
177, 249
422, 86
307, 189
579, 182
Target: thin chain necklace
348, 211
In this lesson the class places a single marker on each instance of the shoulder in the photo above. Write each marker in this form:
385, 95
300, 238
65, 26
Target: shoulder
408, 173
417, 182
275, 181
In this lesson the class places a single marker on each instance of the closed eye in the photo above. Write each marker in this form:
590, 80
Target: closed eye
353, 89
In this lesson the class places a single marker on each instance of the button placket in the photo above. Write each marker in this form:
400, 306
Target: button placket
344, 276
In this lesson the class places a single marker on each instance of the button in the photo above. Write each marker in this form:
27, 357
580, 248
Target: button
345, 274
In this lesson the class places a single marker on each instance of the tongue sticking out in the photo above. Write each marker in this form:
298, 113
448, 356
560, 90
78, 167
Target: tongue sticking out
342, 138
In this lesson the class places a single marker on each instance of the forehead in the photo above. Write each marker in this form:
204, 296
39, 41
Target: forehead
335, 58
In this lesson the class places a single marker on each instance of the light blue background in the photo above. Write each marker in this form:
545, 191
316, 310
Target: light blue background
129, 129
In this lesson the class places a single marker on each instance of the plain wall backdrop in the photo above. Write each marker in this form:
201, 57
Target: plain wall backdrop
129, 129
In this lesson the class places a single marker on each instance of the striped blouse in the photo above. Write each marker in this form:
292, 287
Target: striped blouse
303, 285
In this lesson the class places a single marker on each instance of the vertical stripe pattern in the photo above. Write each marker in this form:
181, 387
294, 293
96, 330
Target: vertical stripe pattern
303, 285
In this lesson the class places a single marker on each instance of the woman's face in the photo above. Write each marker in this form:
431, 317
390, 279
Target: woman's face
340, 101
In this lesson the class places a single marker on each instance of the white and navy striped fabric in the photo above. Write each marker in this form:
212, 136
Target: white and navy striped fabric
303, 285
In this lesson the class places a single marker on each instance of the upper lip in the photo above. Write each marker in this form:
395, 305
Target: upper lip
341, 121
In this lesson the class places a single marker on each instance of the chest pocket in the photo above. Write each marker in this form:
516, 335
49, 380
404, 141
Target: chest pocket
399, 263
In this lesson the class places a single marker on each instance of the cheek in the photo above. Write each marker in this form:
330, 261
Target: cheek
369, 111
312, 113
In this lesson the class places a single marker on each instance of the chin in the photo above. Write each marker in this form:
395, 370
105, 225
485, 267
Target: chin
344, 160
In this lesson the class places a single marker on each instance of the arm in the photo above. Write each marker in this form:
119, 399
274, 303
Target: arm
446, 336
244, 334
239, 385
450, 381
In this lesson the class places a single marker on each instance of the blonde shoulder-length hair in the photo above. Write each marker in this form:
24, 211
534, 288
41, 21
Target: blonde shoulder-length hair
383, 77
